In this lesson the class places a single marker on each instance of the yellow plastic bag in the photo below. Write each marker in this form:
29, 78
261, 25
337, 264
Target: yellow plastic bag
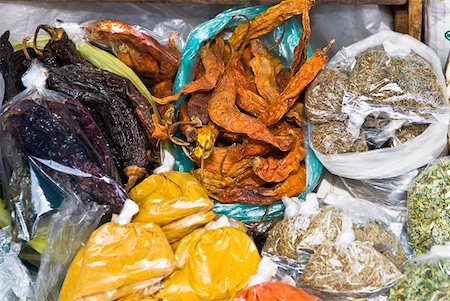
215, 265
166, 197
119, 260
178, 229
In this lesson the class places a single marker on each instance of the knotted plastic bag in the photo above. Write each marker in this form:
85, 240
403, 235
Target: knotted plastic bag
117, 261
169, 196
214, 264
51, 149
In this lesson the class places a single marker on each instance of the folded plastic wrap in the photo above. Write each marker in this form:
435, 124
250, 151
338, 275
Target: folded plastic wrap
74, 160
189, 59
384, 91
426, 277
68, 229
15, 280
429, 207
169, 196
215, 264
119, 260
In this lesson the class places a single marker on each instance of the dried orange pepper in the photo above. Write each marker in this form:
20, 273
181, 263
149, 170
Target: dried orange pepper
296, 85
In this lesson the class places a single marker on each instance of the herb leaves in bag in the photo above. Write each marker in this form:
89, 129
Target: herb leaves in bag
429, 207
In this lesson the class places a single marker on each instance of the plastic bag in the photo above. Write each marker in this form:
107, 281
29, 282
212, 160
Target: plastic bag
178, 229
306, 227
437, 26
208, 262
426, 277
388, 105
166, 197
428, 207
119, 260
68, 230
15, 280
74, 161
353, 270
189, 59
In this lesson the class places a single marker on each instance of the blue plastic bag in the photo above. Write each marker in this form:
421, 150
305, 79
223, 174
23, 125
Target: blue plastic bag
189, 59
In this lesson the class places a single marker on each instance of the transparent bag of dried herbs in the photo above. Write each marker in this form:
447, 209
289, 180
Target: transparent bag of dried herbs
429, 207
379, 110
426, 277
305, 242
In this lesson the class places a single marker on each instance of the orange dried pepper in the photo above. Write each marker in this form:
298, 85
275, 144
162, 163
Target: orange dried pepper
264, 70
162, 89
214, 68
277, 170
301, 50
223, 112
143, 63
106, 31
267, 21
296, 85
294, 184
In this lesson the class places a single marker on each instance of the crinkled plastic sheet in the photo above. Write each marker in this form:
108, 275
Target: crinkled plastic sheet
69, 229
190, 57
15, 281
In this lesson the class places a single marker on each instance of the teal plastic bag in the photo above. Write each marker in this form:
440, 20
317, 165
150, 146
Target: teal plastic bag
189, 59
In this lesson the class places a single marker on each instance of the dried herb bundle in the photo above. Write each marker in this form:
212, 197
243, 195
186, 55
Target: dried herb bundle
355, 267
335, 138
429, 207
286, 235
383, 240
325, 227
323, 99
376, 80
396, 81
423, 281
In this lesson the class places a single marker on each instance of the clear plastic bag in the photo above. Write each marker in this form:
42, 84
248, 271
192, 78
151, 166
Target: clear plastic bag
393, 96
74, 160
15, 280
426, 277
428, 207
293, 241
354, 271
68, 230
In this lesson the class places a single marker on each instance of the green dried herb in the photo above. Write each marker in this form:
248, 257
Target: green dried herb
335, 138
423, 281
355, 267
429, 207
